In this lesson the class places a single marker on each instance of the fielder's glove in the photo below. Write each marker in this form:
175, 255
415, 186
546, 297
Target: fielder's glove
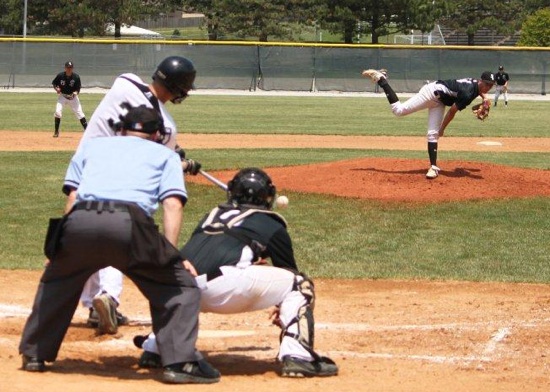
191, 166
481, 110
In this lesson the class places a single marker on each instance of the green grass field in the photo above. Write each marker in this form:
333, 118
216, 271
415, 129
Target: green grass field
504, 240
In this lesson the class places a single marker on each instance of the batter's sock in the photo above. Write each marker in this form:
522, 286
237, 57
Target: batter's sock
432, 153
390, 94
57, 122
83, 122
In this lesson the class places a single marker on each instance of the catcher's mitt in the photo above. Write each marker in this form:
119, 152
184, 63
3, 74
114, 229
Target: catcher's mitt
481, 110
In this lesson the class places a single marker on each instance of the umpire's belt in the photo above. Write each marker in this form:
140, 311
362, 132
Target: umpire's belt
103, 205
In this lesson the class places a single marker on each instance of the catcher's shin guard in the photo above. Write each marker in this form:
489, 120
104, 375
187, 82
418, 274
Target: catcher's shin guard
304, 320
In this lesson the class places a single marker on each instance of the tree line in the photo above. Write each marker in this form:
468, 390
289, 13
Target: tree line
266, 20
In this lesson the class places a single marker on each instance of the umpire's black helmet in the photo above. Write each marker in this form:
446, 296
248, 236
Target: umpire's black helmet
251, 186
177, 74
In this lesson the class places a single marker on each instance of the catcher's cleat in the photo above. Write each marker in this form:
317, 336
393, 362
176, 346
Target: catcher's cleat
149, 360
105, 307
299, 368
200, 372
433, 172
33, 364
374, 75
93, 319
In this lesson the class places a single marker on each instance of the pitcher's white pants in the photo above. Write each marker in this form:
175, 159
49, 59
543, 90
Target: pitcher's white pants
425, 99
249, 289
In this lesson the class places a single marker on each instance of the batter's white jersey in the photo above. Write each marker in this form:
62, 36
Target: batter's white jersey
109, 280
109, 109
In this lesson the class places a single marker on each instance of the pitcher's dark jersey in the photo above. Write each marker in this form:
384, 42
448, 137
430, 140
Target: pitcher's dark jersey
459, 91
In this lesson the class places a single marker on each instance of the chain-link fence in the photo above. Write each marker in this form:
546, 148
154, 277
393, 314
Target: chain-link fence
251, 66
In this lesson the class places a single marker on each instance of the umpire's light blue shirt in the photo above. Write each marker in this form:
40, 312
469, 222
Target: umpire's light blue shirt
126, 169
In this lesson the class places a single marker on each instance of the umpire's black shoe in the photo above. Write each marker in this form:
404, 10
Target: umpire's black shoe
200, 372
149, 360
33, 364
297, 368
56, 134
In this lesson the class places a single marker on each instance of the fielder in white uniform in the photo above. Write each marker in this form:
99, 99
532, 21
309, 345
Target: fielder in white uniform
67, 85
228, 249
435, 96
172, 81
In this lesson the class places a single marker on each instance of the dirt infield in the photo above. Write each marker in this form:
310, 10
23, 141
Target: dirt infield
385, 335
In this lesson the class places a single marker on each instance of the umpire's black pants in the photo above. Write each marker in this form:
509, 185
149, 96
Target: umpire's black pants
92, 240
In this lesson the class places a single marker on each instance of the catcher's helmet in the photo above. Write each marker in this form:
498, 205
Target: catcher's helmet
251, 186
177, 74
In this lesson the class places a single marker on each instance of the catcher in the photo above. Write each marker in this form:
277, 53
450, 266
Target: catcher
435, 96
228, 249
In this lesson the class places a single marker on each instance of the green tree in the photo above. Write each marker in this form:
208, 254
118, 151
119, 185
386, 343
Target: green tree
380, 17
469, 16
76, 18
212, 15
535, 31
11, 17
253, 18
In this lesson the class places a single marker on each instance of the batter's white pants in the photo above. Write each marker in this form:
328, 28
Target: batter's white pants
499, 90
425, 99
107, 280
74, 103
249, 289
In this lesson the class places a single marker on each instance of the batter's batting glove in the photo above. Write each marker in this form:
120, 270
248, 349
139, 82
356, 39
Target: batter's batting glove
180, 152
191, 166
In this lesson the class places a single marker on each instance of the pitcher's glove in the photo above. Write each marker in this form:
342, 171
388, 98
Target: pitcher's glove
481, 110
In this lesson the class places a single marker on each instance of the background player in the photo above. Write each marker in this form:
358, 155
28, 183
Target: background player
228, 249
172, 80
67, 85
434, 96
502, 78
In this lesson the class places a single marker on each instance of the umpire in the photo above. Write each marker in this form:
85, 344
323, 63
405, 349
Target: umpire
114, 186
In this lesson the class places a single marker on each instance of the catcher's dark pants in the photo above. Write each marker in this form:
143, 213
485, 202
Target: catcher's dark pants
92, 240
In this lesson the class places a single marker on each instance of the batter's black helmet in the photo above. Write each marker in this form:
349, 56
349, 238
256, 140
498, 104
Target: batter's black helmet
251, 186
177, 74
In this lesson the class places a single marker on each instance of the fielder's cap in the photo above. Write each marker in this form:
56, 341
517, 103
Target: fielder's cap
142, 119
500, 67
488, 77
69, 64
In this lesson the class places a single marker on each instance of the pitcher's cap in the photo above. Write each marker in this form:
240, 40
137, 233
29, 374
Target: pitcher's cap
500, 67
488, 77
69, 64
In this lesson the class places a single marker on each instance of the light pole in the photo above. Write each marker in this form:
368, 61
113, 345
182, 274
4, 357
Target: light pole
25, 19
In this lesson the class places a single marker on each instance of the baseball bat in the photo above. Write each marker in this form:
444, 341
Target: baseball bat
214, 180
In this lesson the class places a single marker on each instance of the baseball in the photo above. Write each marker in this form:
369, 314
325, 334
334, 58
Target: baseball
281, 202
